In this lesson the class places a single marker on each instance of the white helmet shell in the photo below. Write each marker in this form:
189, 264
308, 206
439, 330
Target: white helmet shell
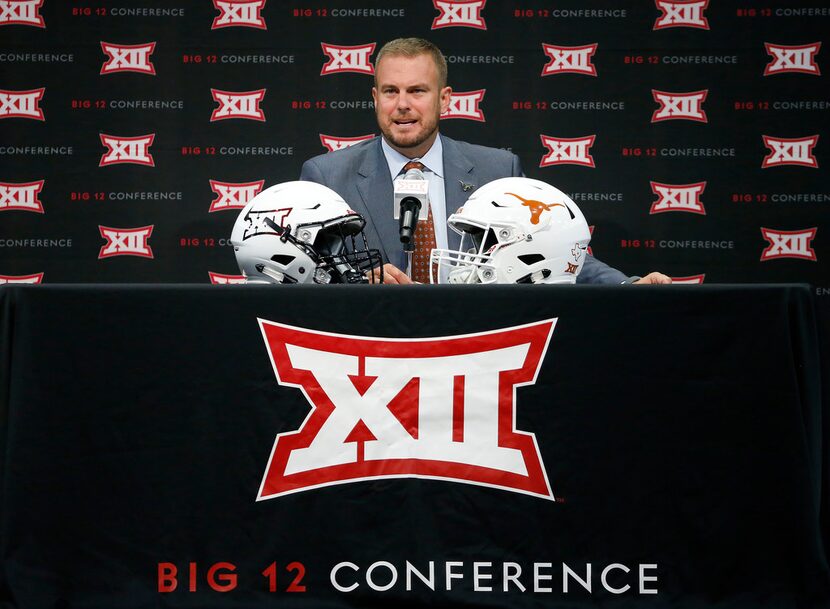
300, 232
515, 230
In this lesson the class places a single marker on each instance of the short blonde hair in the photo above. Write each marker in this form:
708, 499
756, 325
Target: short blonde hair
413, 47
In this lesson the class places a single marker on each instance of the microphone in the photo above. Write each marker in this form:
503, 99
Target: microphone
411, 197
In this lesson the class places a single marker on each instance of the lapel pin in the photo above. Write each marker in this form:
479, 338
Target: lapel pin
465, 187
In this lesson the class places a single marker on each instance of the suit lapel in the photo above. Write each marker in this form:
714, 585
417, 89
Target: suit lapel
460, 182
375, 188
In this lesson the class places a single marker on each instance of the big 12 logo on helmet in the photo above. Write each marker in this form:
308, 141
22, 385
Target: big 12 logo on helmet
436, 408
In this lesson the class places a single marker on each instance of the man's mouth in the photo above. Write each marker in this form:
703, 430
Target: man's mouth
405, 122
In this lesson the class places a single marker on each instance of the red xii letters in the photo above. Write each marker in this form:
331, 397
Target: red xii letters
438, 408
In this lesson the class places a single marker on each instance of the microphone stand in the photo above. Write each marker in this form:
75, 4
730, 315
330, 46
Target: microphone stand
410, 208
408, 250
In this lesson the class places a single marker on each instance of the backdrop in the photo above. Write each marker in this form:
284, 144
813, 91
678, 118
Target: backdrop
690, 132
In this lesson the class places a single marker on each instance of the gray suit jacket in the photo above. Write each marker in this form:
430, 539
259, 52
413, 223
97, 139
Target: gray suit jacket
360, 175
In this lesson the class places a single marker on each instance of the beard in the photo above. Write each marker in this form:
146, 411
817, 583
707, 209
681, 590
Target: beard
410, 139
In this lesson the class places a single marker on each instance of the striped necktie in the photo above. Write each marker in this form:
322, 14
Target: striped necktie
424, 238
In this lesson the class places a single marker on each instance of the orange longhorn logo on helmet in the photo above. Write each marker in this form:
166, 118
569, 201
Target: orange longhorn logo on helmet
536, 207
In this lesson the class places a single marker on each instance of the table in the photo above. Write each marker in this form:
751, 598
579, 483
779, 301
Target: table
355, 446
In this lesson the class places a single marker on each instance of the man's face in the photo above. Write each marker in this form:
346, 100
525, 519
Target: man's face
409, 102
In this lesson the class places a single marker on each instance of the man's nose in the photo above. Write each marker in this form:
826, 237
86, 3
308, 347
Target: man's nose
403, 102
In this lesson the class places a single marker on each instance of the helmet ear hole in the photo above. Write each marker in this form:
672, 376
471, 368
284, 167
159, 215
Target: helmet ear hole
530, 259
537, 277
283, 259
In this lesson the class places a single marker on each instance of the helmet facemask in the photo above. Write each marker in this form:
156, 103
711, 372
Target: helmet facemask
473, 262
343, 252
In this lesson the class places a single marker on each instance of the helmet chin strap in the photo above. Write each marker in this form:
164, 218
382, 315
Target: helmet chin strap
464, 275
273, 274
538, 277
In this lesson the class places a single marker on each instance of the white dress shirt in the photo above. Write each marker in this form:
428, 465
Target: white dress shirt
433, 160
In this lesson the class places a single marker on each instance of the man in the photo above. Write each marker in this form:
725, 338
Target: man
410, 93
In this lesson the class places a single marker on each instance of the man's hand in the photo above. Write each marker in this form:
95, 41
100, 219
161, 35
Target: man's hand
391, 274
654, 278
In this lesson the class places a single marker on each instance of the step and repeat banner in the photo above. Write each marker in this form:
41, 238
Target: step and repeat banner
690, 132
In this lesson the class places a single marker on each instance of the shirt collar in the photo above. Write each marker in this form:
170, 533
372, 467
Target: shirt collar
433, 159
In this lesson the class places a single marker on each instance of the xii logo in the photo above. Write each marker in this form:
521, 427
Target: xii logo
437, 408
679, 106
790, 151
465, 105
128, 58
135, 150
239, 13
233, 195
21, 196
789, 244
800, 59
21, 12
238, 104
459, 13
678, 197
569, 60
21, 104
568, 151
347, 59
682, 13
126, 242
332, 143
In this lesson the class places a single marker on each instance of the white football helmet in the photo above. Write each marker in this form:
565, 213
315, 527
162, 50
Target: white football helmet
514, 230
301, 232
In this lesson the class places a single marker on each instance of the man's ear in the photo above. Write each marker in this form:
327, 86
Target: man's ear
446, 94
